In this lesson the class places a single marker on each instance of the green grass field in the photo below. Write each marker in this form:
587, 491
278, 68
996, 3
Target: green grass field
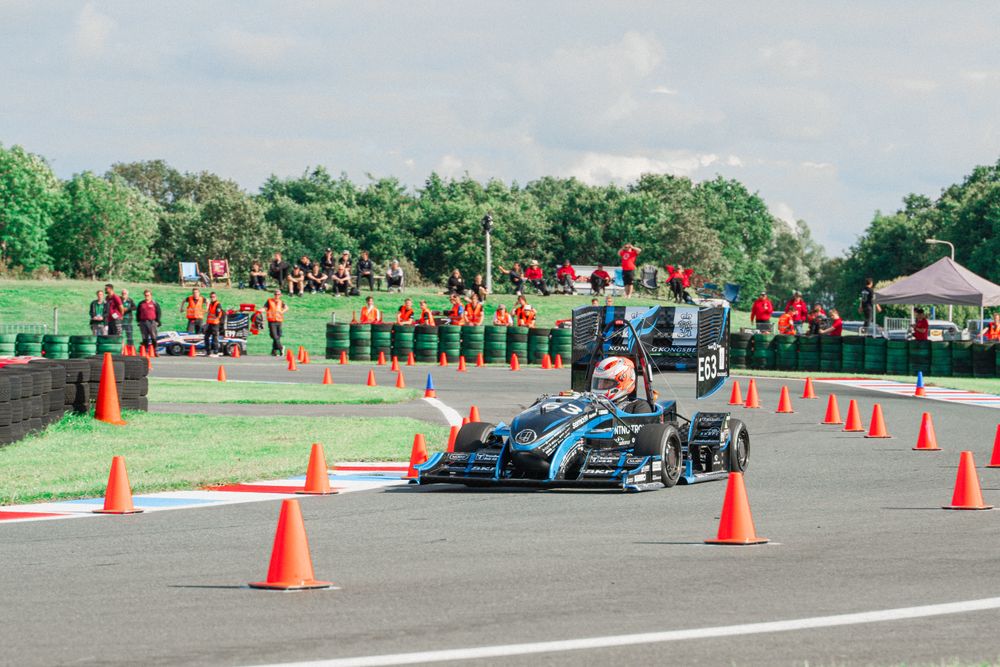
163, 390
71, 459
32, 301
985, 385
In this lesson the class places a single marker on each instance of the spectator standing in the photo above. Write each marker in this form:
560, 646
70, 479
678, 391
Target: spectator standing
566, 276
405, 314
278, 270
534, 275
128, 304
799, 309
366, 271
516, 277
148, 314
97, 308
629, 253
316, 278
456, 315
369, 313
868, 308
474, 311
213, 325
193, 308
501, 317
113, 311
258, 279
426, 316
296, 281
275, 309
341, 280
599, 280
478, 287
760, 312
921, 327
836, 327
394, 276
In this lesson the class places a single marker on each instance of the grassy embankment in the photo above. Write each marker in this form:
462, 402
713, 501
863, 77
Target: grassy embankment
163, 390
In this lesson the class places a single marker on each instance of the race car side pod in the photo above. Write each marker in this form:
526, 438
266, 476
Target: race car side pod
752, 400
291, 567
736, 396
995, 459
967, 495
736, 523
926, 440
418, 455
429, 389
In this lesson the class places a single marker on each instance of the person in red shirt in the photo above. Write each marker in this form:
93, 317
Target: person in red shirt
836, 327
599, 279
148, 313
799, 310
761, 311
566, 276
533, 274
114, 311
405, 314
921, 327
629, 253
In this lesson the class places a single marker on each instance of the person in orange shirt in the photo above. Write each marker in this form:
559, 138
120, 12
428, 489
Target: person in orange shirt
786, 323
275, 309
474, 311
369, 313
457, 313
993, 330
405, 314
193, 308
524, 314
501, 318
426, 316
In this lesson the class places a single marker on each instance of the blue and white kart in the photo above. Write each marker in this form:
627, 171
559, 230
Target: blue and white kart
581, 439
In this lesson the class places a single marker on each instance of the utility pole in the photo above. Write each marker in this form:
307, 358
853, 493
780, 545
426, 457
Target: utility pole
487, 223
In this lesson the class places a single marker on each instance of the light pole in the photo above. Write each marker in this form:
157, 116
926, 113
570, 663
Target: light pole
952, 246
487, 223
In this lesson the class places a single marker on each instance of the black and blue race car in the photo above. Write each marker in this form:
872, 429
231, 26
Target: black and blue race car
578, 438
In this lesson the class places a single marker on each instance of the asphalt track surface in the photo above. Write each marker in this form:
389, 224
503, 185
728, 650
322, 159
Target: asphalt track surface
855, 526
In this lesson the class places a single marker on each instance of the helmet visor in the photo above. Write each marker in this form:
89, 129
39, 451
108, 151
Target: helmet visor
604, 384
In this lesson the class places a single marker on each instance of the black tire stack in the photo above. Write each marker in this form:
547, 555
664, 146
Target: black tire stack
361, 342
919, 357
425, 343
131, 380
338, 339
897, 357
381, 340
450, 341
786, 352
561, 343
739, 349
517, 343
961, 358
77, 390
983, 360
941, 358
473, 342
808, 353
82, 347
495, 344
32, 396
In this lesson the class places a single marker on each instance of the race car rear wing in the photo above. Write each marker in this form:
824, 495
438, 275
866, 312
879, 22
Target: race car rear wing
675, 339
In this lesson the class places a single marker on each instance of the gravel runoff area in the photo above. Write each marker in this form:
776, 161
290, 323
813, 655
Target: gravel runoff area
855, 526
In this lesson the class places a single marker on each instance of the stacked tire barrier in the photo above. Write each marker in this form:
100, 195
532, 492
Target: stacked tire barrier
361, 342
983, 360
495, 344
897, 357
517, 343
55, 346
112, 344
561, 343
807, 353
786, 352
28, 345
831, 353
82, 347
402, 340
8, 343
852, 354
874, 355
920, 357
473, 342
425, 343
338, 339
450, 341
381, 340
961, 357
762, 351
538, 344
941, 359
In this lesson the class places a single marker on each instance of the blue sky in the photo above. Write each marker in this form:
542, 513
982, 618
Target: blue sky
830, 112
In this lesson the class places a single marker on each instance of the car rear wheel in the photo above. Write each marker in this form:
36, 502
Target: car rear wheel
231, 349
175, 349
739, 446
472, 436
664, 441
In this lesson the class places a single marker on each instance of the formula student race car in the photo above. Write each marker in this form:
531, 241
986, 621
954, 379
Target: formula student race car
176, 343
580, 438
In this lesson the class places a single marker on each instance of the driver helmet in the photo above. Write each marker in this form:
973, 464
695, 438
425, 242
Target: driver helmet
614, 378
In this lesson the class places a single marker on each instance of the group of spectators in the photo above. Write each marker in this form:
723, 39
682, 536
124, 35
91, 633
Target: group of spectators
797, 319
566, 276
341, 276
113, 314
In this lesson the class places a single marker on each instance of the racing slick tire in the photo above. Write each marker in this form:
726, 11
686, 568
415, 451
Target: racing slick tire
472, 436
664, 441
174, 349
739, 446
230, 349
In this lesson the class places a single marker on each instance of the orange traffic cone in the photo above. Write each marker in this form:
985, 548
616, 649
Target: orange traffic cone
371, 378
395, 364
108, 409
452, 434
736, 396
784, 402
443, 359
927, 440
305, 354
300, 355
410, 359
429, 388
461, 364
995, 459
142, 350
465, 420
236, 352
327, 377
877, 428
807, 391
191, 351
317, 474
546, 362
118, 496
400, 380
752, 400
736, 523
381, 358
474, 414
343, 357
292, 366
832, 411
417, 456
557, 363
967, 494
291, 566
221, 375
853, 424
514, 365
480, 362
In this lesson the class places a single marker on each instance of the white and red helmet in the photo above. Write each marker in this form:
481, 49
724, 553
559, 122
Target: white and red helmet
614, 378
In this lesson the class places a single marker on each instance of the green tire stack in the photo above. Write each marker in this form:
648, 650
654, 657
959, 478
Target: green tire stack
561, 343
538, 344
941, 358
961, 358
473, 343
495, 344
897, 358
920, 357
852, 354
402, 341
361, 342
55, 346
874, 355
381, 340
739, 349
112, 344
785, 352
831, 354
808, 359
338, 339
984, 360
763, 351
28, 345
517, 343
82, 347
8, 343
425, 343
450, 342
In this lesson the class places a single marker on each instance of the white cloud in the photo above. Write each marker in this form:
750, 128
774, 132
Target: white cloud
792, 57
783, 212
922, 86
450, 166
980, 76
603, 168
662, 90
92, 32
818, 166
257, 49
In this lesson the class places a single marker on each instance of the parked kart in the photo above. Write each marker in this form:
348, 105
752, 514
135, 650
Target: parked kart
176, 343
582, 439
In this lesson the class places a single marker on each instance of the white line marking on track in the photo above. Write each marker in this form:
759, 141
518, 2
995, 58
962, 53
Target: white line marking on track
450, 414
483, 652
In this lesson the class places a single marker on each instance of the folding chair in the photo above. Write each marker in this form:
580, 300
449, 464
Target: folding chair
189, 274
648, 280
218, 271
731, 292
